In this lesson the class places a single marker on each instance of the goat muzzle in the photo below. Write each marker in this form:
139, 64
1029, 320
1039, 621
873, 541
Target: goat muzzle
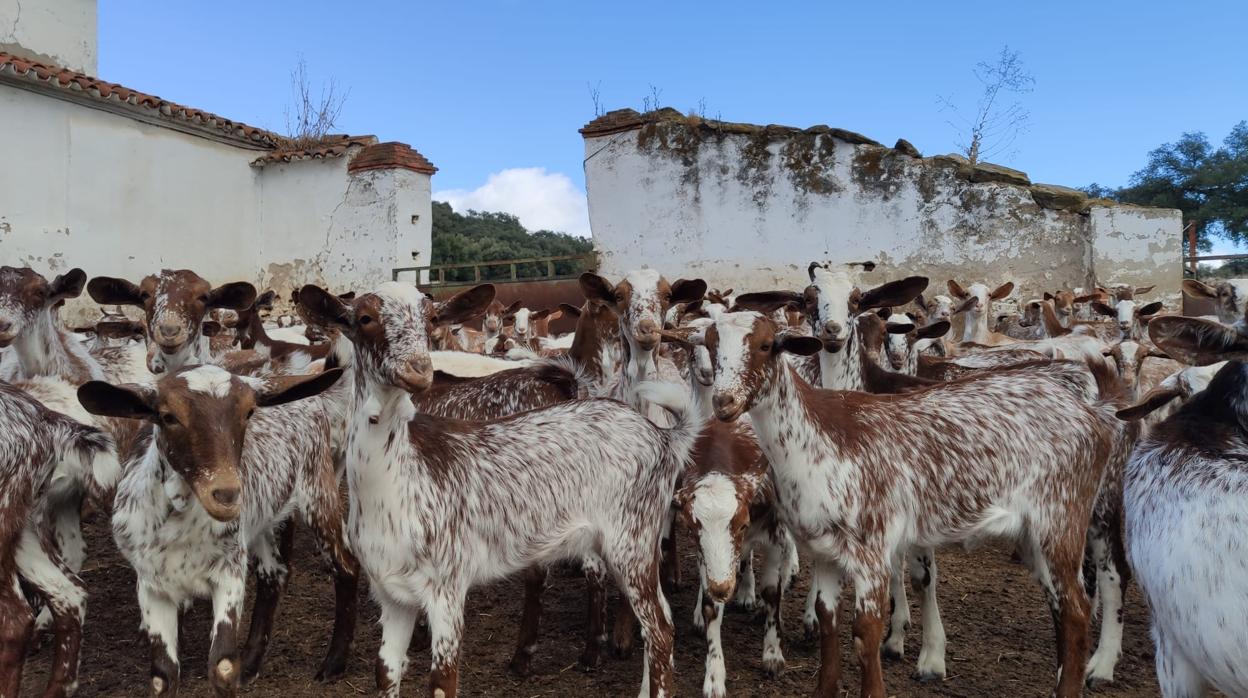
727, 407
415, 375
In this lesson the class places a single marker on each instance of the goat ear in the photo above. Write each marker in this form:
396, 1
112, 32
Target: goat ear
1002, 291
511, 309
465, 305
348, 296
936, 330
956, 289
921, 302
131, 401
1197, 342
1158, 354
210, 328
570, 310
1150, 309
238, 295
766, 302
800, 344
107, 290
967, 303
1104, 309
1141, 290
884, 313
597, 288
539, 314
1085, 299
688, 290
323, 308
555, 314
282, 389
265, 300
810, 270
899, 327
893, 293
67, 285
1198, 289
1049, 296
1153, 401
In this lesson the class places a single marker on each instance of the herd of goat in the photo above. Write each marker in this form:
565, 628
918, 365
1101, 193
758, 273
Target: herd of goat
836, 427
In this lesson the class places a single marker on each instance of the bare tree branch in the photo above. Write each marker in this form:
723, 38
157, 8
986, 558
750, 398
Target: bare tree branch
993, 127
311, 119
595, 94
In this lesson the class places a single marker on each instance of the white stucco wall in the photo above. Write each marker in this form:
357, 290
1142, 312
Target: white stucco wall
119, 197
1139, 246
751, 210
60, 32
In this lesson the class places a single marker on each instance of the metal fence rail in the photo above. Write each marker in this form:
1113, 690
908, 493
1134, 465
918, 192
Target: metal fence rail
554, 268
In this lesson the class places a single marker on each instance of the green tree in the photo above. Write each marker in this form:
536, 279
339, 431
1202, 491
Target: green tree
481, 236
1209, 185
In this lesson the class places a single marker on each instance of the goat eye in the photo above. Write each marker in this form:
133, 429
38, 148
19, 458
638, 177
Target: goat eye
251, 413
168, 419
204, 299
364, 320
766, 347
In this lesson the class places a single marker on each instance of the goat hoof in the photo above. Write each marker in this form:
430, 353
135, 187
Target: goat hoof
332, 671
892, 653
522, 665
747, 605
773, 666
928, 676
1095, 682
590, 659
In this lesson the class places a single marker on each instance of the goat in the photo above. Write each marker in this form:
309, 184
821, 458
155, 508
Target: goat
39, 448
976, 302
641, 301
837, 310
1071, 305
1230, 298
1185, 488
727, 503
427, 492
174, 303
282, 357
876, 456
1132, 319
216, 483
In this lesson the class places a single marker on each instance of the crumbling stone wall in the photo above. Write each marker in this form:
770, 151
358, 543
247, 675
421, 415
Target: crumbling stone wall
750, 206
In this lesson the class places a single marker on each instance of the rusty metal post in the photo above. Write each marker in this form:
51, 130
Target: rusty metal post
1191, 247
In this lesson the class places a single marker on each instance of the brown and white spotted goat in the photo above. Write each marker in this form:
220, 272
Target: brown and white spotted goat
227, 463
439, 506
38, 447
175, 304
855, 472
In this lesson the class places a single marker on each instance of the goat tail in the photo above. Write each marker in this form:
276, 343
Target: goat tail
89, 456
563, 369
682, 435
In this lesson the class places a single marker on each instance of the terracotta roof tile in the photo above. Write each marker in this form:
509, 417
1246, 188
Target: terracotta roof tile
390, 155
333, 147
19, 68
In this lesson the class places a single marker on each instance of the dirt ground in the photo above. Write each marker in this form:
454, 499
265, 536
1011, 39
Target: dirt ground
1000, 639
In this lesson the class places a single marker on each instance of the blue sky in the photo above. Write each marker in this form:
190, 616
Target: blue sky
493, 92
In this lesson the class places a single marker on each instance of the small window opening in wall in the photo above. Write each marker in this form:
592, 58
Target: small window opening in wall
415, 217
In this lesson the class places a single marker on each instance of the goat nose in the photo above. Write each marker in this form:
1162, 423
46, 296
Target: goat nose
225, 496
726, 406
5, 326
169, 331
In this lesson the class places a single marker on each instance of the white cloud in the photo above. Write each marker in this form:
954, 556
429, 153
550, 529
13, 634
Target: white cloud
541, 200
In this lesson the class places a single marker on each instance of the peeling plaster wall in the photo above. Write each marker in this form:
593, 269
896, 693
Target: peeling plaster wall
751, 210
60, 32
118, 197
1139, 246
